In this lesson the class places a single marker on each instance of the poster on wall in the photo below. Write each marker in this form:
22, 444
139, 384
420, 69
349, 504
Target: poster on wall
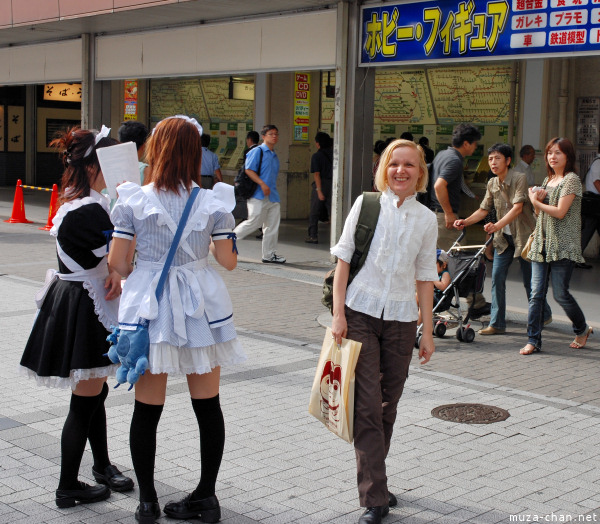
588, 121
16, 129
131, 100
301, 106
1, 128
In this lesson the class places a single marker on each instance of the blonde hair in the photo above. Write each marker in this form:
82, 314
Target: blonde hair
381, 179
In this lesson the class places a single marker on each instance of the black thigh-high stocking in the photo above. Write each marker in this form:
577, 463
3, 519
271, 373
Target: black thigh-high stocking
142, 442
73, 439
212, 441
97, 434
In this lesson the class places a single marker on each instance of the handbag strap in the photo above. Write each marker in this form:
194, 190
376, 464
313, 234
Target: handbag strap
175, 243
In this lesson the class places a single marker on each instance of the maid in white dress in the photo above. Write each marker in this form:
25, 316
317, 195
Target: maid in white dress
191, 325
76, 309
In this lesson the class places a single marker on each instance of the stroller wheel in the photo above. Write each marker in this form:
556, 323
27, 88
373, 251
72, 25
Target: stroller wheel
459, 334
469, 335
440, 329
418, 341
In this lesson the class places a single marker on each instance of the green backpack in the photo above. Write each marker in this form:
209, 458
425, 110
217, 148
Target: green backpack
363, 235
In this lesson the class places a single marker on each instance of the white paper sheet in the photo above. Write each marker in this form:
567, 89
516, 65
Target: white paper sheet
119, 164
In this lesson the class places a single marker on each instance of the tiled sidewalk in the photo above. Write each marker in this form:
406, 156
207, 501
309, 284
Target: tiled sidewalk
280, 465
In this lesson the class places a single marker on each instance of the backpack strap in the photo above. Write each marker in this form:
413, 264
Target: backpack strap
365, 229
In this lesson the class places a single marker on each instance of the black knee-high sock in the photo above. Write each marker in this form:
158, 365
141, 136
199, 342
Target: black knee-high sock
142, 442
97, 434
74, 435
212, 441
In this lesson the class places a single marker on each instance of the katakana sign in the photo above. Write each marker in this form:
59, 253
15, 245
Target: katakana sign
453, 29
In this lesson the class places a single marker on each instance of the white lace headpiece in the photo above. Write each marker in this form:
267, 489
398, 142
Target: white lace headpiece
104, 132
191, 120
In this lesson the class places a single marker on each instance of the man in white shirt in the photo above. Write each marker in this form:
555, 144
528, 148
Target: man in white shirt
527, 154
590, 223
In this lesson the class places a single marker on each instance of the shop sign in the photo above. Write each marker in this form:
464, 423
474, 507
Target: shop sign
62, 92
588, 121
455, 30
301, 106
131, 100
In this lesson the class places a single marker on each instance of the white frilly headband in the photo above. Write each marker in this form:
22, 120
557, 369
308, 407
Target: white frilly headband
104, 132
192, 121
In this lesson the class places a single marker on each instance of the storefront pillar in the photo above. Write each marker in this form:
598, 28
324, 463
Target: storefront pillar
354, 99
91, 90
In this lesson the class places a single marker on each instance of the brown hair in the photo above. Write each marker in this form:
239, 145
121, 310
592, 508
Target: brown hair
80, 171
566, 146
174, 154
381, 181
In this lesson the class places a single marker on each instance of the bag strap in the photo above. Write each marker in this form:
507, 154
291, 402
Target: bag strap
260, 160
365, 229
175, 243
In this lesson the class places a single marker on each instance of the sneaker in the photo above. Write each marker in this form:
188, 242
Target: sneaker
311, 240
274, 259
491, 330
548, 321
481, 311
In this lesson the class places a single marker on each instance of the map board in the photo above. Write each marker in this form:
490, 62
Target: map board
206, 100
477, 93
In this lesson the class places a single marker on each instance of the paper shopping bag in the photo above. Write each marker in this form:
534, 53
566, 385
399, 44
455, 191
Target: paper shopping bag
332, 394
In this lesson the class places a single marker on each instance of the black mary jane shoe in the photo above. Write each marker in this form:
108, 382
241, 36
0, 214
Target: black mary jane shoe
147, 512
113, 478
374, 515
85, 494
207, 510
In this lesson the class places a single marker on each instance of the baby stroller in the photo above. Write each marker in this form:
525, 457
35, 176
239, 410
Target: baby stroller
467, 270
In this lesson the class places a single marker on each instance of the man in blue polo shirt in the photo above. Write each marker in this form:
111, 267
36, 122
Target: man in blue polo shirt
263, 207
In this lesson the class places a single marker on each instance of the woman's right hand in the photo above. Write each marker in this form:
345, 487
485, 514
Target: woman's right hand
339, 328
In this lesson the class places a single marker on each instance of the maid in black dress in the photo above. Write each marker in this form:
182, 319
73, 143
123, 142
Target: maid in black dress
75, 310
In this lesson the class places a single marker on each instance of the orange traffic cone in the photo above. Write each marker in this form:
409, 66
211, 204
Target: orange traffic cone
52, 210
18, 211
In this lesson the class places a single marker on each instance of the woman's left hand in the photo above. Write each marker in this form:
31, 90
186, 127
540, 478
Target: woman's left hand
113, 285
426, 347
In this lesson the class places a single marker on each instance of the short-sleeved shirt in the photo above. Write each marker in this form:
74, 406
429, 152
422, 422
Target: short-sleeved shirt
322, 162
515, 188
593, 175
269, 169
210, 163
448, 165
560, 238
524, 167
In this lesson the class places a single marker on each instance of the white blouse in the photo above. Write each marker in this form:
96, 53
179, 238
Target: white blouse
402, 251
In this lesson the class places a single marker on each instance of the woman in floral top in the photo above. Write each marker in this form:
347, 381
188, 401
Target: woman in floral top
556, 247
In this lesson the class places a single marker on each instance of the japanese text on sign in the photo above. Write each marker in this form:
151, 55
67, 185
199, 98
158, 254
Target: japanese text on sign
477, 29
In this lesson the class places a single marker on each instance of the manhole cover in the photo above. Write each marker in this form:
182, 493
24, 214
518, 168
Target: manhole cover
470, 413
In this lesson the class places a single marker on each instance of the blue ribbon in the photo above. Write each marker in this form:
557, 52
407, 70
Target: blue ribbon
108, 235
233, 237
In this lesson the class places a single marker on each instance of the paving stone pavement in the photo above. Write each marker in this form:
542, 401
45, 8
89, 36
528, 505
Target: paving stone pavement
280, 465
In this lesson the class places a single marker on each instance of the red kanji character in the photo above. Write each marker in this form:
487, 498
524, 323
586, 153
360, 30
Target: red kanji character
519, 24
527, 40
529, 4
520, 5
538, 20
539, 4
577, 2
580, 37
560, 3
563, 38
571, 37
553, 39
559, 17
578, 17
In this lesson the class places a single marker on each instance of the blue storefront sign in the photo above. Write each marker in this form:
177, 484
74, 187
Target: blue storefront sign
453, 30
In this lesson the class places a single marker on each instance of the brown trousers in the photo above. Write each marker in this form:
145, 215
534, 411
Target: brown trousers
381, 371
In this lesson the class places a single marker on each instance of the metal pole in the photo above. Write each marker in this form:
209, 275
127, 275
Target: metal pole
85, 81
511, 104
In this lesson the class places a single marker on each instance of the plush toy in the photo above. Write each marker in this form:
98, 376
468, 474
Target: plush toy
130, 348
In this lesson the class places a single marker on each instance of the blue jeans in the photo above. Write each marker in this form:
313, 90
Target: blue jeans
502, 262
560, 273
